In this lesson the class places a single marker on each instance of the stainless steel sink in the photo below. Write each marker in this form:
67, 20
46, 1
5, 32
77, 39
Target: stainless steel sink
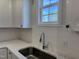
34, 53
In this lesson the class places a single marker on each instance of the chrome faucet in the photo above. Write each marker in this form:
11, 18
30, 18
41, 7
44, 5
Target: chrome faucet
43, 40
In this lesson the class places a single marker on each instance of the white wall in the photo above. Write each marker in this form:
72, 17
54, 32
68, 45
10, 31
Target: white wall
68, 41
51, 34
61, 41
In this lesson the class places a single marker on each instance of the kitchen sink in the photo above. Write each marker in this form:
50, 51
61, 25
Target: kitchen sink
34, 53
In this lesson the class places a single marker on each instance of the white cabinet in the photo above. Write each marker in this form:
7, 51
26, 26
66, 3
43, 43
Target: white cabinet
5, 13
21, 13
14, 57
6, 54
3, 53
11, 55
73, 14
26, 13
15, 13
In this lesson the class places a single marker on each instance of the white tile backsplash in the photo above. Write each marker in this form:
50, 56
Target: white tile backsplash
8, 34
26, 35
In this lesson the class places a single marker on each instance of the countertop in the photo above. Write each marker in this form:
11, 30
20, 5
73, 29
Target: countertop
15, 45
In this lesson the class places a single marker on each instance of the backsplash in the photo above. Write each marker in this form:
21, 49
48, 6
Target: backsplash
51, 36
26, 35
8, 34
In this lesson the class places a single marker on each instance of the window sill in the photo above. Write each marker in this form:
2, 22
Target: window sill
49, 25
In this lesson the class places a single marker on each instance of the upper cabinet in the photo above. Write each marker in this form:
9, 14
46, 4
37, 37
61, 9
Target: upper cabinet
15, 13
26, 13
21, 13
72, 14
5, 13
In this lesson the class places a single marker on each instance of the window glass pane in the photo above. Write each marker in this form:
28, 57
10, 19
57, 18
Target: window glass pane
45, 18
45, 11
54, 1
53, 18
53, 9
46, 2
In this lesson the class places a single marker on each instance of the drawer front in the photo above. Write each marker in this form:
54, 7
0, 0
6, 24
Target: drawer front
3, 53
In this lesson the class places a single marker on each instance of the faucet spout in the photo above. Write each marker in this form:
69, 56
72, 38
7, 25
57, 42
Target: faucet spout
43, 40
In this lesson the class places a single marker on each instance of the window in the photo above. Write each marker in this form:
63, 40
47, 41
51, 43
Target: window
49, 11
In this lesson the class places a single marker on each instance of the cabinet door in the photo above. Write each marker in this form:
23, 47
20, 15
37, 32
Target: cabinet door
17, 12
75, 11
72, 12
11, 55
26, 13
5, 13
14, 57
3, 53
21, 13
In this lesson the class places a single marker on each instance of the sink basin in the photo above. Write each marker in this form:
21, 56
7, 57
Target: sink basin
34, 53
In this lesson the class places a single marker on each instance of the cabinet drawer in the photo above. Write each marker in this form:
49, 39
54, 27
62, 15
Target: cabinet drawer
3, 53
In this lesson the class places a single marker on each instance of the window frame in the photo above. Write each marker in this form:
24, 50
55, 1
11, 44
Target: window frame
60, 14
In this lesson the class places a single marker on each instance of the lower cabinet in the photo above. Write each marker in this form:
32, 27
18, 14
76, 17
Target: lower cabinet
6, 54
11, 55
14, 57
3, 53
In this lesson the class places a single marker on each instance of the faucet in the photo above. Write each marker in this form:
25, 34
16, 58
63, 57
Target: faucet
43, 40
